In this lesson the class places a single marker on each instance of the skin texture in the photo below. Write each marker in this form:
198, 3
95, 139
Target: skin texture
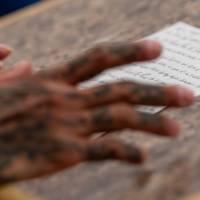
47, 122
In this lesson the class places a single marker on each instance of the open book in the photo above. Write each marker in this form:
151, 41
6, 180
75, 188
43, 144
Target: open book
179, 63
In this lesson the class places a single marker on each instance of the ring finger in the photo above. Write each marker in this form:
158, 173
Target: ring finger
123, 116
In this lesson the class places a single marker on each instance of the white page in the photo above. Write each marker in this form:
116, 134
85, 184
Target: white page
179, 63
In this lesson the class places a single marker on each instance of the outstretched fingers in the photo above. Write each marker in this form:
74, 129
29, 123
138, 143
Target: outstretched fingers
104, 57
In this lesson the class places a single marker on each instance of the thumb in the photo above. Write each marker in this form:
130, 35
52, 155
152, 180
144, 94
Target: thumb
20, 70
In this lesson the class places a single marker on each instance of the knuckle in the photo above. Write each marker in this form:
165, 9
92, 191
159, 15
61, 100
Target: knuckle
125, 89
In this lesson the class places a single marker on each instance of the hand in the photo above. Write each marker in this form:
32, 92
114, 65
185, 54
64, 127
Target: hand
46, 121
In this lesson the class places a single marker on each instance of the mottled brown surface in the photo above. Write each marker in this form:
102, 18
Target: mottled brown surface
52, 36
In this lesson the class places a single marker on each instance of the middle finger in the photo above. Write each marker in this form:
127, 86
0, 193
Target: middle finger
136, 93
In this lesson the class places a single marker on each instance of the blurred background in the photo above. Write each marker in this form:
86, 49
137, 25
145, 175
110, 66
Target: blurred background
8, 6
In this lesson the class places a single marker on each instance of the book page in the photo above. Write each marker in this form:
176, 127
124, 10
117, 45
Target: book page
179, 63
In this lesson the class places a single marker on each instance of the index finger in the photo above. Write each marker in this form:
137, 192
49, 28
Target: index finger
103, 57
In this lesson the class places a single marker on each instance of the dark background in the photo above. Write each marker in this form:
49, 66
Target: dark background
7, 6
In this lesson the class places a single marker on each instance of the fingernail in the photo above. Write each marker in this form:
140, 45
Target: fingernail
185, 96
5, 50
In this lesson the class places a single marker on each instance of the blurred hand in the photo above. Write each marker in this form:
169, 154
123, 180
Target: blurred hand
46, 121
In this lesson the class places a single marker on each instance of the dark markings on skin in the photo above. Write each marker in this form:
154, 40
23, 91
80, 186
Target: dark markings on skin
149, 94
98, 58
65, 72
101, 118
132, 153
95, 60
75, 96
148, 120
25, 132
102, 91
101, 152
76, 64
71, 122
18, 93
32, 134
125, 52
24, 87
21, 98
31, 137
101, 54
